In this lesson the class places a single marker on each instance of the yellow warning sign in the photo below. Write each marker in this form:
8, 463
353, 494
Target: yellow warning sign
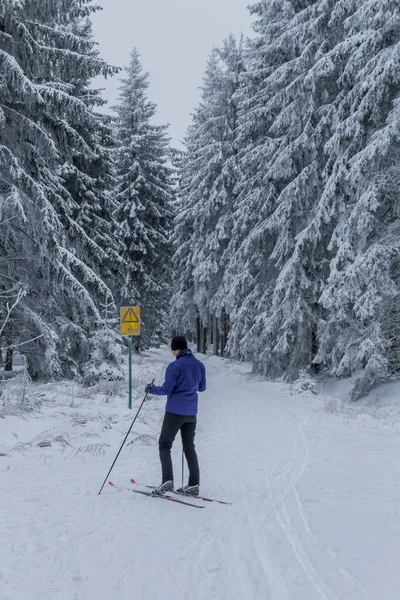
130, 320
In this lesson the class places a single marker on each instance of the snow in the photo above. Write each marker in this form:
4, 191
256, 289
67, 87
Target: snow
316, 500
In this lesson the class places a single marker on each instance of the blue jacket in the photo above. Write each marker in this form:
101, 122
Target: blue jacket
183, 379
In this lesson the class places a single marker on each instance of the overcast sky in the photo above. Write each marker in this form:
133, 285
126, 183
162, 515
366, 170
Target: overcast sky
174, 38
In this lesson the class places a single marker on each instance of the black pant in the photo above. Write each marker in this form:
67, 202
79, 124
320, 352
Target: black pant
171, 425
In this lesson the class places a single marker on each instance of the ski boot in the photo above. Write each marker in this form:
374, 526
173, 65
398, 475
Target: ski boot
167, 486
188, 490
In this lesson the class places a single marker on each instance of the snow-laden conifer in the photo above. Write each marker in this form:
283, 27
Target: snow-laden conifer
361, 200
284, 116
51, 167
209, 174
144, 197
317, 117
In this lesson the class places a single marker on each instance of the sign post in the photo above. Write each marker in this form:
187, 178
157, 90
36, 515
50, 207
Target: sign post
130, 371
130, 326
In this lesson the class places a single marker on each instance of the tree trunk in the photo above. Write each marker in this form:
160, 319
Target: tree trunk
204, 341
314, 344
9, 360
198, 333
225, 331
216, 337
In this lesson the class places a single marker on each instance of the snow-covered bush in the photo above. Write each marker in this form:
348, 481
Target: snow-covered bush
105, 364
19, 394
305, 383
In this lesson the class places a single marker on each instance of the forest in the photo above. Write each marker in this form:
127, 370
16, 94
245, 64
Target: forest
273, 237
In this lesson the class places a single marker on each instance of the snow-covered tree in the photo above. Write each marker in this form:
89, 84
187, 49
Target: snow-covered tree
320, 82
362, 297
51, 167
282, 129
145, 194
363, 291
209, 174
105, 349
313, 208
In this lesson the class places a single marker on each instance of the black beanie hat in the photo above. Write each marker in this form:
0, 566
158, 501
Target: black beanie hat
178, 343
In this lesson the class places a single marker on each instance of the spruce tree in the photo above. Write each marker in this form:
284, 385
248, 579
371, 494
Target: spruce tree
282, 128
310, 272
360, 201
209, 173
145, 202
317, 119
51, 166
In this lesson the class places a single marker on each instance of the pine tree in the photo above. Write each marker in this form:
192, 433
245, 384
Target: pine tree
361, 201
49, 137
282, 128
309, 276
144, 196
209, 173
314, 128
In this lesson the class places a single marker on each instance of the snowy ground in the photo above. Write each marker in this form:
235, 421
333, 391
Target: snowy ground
314, 486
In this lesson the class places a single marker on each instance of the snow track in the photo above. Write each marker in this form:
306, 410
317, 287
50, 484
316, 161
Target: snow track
281, 492
308, 520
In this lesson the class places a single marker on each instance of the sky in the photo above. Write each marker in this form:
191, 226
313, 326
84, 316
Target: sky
175, 38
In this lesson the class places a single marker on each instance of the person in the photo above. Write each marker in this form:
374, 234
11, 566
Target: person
183, 379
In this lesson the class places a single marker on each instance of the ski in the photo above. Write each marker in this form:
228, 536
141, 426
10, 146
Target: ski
164, 497
152, 487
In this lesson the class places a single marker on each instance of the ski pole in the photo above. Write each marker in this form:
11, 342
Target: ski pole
126, 437
183, 466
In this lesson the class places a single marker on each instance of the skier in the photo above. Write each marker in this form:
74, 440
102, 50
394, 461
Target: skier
183, 379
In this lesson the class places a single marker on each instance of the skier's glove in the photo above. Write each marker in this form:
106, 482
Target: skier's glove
147, 389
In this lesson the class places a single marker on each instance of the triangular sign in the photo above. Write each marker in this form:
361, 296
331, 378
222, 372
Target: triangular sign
130, 316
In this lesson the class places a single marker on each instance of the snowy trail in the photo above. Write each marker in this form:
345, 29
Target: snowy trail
315, 514
269, 523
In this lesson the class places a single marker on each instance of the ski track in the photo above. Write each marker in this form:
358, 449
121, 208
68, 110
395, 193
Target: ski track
240, 561
313, 541
293, 526
276, 583
278, 497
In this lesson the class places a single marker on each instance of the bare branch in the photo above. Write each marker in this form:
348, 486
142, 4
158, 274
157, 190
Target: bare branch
21, 293
13, 346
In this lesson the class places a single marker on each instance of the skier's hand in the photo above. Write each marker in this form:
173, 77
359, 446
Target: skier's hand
147, 389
